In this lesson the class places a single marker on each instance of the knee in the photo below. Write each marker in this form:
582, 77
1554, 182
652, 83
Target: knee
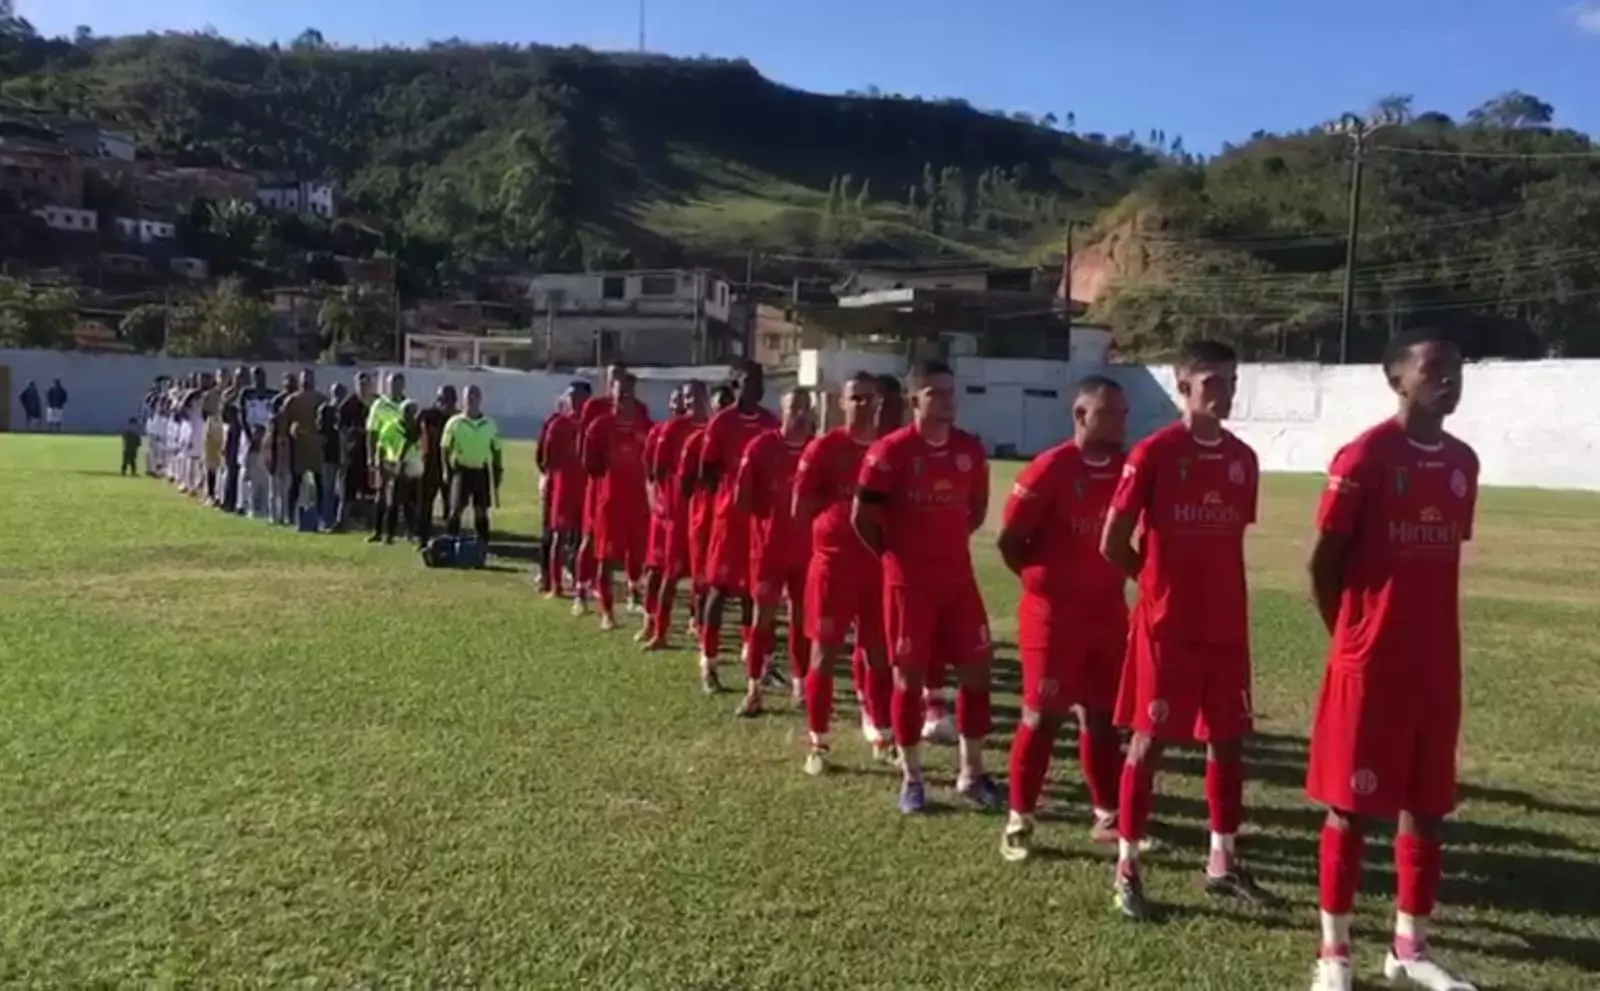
1227, 751
1142, 749
908, 680
1344, 822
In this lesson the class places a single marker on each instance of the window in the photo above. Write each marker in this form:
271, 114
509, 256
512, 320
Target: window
658, 285
1040, 393
613, 287
977, 390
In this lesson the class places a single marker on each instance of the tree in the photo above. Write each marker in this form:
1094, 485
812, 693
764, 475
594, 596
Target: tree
144, 327
309, 40
1396, 107
356, 321
36, 317
1513, 109
227, 322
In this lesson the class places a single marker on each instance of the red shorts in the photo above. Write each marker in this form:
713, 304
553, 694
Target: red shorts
844, 593
622, 535
1382, 750
567, 492
679, 561
591, 510
728, 556
698, 537
947, 619
1184, 692
776, 572
1068, 662
659, 549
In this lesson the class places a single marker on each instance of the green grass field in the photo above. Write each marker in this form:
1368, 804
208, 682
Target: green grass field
232, 755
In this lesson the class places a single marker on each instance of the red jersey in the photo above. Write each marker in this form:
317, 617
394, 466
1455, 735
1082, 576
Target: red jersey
698, 508
727, 435
1194, 502
828, 477
600, 406
932, 497
765, 486
1060, 502
1407, 508
558, 449
613, 453
544, 439
667, 458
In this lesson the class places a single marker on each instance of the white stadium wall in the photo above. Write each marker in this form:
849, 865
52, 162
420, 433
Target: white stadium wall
1532, 423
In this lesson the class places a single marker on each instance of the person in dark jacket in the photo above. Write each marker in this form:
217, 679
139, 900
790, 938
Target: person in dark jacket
435, 485
32, 410
55, 406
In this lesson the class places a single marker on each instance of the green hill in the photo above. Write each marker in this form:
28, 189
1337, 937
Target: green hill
566, 157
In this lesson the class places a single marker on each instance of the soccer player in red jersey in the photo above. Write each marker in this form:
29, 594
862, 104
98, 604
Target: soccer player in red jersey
728, 555
844, 581
665, 468
1385, 572
780, 546
1192, 490
924, 491
1072, 622
655, 555
588, 563
701, 506
613, 453
547, 543
569, 484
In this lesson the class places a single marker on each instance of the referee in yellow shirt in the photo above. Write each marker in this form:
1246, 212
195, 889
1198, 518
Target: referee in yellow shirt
472, 453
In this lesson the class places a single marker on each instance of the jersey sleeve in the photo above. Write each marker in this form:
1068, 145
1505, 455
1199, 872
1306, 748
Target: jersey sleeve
747, 487
978, 505
1031, 496
1252, 470
810, 478
596, 446
1137, 485
1350, 483
1470, 470
878, 471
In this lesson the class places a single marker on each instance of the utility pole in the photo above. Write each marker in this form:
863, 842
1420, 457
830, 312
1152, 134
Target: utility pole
749, 304
1358, 130
641, 26
1066, 282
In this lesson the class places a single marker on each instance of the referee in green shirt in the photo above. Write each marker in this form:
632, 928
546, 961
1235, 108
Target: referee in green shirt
385, 409
472, 453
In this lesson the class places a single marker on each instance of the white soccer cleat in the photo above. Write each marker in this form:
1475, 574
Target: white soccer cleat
1016, 843
580, 606
817, 761
1423, 972
941, 731
1333, 974
608, 622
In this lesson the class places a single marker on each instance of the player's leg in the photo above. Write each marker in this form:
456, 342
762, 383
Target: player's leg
727, 572
962, 636
653, 580
767, 591
827, 616
1043, 712
937, 724
1100, 759
1224, 721
798, 643
910, 624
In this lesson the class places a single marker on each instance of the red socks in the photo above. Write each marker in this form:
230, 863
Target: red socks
819, 698
1417, 866
1030, 763
663, 611
608, 594
1133, 799
710, 639
1100, 757
1339, 872
879, 695
758, 647
799, 645
1225, 794
974, 719
907, 709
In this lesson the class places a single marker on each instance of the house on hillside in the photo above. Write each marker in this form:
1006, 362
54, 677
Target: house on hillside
313, 197
72, 220
878, 278
39, 172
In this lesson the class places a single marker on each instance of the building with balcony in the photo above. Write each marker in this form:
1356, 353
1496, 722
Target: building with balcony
70, 219
145, 230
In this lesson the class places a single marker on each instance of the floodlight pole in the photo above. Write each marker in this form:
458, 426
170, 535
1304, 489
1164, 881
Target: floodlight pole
1358, 129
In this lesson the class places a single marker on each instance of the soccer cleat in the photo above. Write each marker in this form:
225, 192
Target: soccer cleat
1421, 971
750, 708
608, 622
1237, 883
884, 752
1016, 842
580, 605
869, 732
913, 798
982, 792
1333, 974
1104, 828
817, 761
710, 684
1128, 897
656, 643
643, 636
941, 730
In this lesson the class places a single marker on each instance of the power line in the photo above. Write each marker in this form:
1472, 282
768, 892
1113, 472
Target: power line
1469, 304
1551, 156
1427, 270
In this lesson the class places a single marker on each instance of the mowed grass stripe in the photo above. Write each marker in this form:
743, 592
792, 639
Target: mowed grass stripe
234, 755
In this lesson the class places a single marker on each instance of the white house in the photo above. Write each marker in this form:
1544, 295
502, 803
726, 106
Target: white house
661, 292
312, 197
144, 230
117, 145
67, 218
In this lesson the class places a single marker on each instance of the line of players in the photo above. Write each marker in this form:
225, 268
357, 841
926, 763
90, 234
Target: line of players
868, 528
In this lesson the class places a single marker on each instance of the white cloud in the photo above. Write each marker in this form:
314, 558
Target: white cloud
1586, 16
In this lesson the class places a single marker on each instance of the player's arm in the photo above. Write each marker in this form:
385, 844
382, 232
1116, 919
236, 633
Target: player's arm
747, 480
978, 503
541, 453
689, 467
593, 449
809, 485
1128, 505
1338, 521
1027, 506
873, 495
496, 455
711, 454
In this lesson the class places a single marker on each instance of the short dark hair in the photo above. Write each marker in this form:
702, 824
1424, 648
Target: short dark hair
863, 378
888, 385
1399, 347
926, 370
1202, 351
1097, 383
723, 395
580, 386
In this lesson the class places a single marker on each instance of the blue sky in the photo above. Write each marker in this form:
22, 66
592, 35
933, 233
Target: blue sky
1178, 65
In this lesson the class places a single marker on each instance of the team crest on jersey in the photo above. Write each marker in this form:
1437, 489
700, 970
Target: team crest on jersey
1458, 484
1402, 481
1158, 711
1236, 473
963, 463
1364, 782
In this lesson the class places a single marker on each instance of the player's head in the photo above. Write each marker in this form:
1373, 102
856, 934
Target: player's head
396, 386
891, 404
1208, 374
694, 398
241, 375
797, 413
308, 380
858, 401
722, 397
339, 392
933, 394
288, 382
614, 371
258, 377
623, 387
409, 411
749, 379
474, 399
1100, 413
1424, 369
445, 398
576, 395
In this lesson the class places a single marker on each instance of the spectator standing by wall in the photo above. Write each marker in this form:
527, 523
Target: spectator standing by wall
55, 402
354, 480
332, 453
32, 413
